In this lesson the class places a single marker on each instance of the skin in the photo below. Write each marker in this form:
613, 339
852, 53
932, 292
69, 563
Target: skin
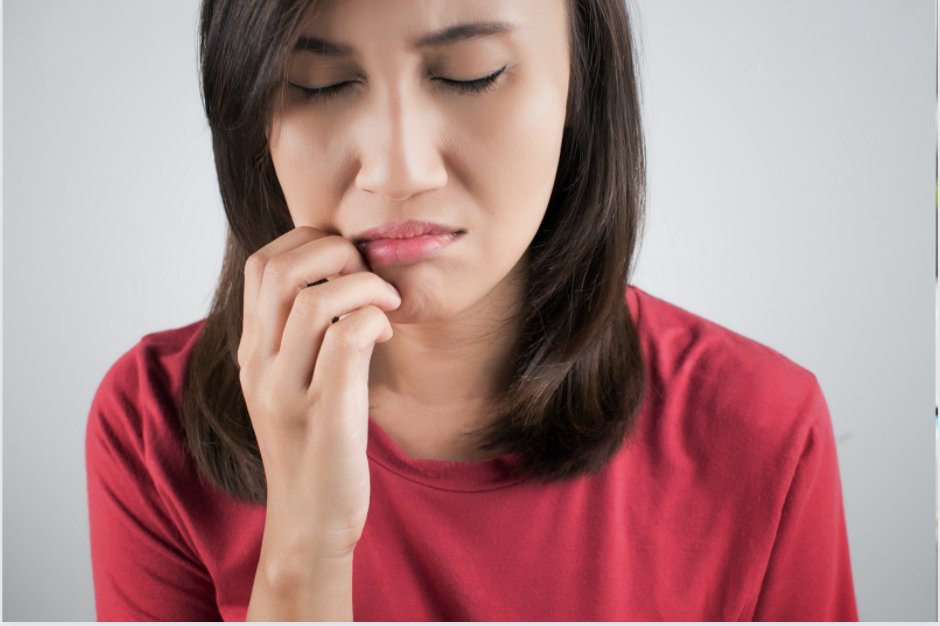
399, 145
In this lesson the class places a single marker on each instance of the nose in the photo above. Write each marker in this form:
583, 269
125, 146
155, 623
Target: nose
400, 151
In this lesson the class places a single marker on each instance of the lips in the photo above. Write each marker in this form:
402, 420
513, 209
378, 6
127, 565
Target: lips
401, 243
405, 230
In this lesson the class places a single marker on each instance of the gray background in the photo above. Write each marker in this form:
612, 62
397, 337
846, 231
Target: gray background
792, 185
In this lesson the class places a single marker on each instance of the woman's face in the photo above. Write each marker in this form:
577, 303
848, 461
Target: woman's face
399, 140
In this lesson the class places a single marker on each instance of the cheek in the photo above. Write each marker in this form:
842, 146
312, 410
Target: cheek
531, 148
512, 156
307, 162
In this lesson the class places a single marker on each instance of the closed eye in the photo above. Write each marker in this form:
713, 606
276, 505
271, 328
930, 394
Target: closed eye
472, 86
477, 85
316, 94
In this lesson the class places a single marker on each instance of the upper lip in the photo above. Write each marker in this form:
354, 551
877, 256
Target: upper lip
404, 230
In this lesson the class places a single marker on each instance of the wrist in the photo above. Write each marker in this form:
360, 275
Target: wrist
291, 577
293, 537
300, 589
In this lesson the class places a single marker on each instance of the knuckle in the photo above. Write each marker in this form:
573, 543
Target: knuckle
270, 406
246, 378
352, 333
316, 401
332, 245
373, 316
254, 266
243, 355
278, 269
272, 402
341, 244
343, 335
310, 303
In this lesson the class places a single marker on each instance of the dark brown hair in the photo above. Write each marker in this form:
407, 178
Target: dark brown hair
579, 376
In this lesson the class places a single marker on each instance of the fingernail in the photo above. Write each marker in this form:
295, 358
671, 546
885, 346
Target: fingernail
394, 291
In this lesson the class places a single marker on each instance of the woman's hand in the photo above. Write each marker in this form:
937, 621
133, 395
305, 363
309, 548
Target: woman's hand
304, 370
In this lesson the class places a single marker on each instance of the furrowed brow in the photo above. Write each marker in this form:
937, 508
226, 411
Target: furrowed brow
461, 32
447, 36
323, 47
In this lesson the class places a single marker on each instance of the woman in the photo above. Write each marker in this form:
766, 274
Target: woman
425, 390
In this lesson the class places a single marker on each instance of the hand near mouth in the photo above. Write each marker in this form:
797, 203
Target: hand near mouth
313, 314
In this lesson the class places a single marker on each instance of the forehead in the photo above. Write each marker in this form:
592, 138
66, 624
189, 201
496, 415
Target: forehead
340, 28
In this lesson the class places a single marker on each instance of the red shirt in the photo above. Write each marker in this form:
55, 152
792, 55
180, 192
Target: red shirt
727, 505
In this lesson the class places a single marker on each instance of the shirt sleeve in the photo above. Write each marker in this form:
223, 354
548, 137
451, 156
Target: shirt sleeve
809, 575
144, 569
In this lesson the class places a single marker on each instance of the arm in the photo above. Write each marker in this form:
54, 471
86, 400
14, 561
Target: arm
320, 591
144, 570
305, 378
809, 575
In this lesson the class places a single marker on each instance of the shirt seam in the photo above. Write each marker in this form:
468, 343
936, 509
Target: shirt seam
418, 482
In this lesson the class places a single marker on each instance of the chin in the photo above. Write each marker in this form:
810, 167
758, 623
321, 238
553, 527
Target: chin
417, 310
427, 294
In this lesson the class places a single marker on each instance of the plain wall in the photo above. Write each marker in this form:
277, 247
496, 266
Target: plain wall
791, 199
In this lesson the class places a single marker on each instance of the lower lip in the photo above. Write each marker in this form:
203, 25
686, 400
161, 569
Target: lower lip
388, 252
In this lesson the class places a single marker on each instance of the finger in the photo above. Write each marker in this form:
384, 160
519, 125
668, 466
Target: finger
257, 263
315, 310
338, 362
288, 273
254, 275
254, 267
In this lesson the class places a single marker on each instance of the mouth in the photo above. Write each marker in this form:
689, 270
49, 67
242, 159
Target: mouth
401, 243
404, 230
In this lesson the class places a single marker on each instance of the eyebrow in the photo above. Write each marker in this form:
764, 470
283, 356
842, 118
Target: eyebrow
447, 36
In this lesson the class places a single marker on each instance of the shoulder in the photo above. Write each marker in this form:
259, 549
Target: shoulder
737, 457
148, 508
718, 387
135, 408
